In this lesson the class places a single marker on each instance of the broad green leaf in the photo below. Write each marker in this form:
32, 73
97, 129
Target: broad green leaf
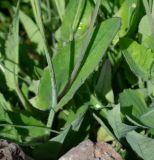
74, 114
28, 127
135, 122
38, 17
12, 52
144, 27
34, 86
66, 58
85, 19
106, 33
31, 30
51, 149
148, 117
63, 64
148, 42
76, 20
60, 6
114, 118
129, 14
104, 130
103, 87
66, 139
142, 145
146, 23
5, 104
138, 57
103, 135
7, 131
19, 126
145, 31
132, 102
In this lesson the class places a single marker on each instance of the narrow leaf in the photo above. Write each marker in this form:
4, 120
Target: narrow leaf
12, 52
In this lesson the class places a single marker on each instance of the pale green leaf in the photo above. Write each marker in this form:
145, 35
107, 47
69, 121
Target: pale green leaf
101, 41
60, 6
105, 34
32, 31
5, 104
129, 13
114, 118
132, 102
76, 20
12, 52
138, 57
148, 117
142, 145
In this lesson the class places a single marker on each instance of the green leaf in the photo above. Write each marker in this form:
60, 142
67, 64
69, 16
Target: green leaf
66, 139
38, 17
132, 103
65, 56
102, 37
60, 5
148, 42
71, 19
106, 33
120, 129
138, 57
129, 14
32, 31
76, 18
28, 127
19, 126
107, 6
145, 30
144, 27
5, 104
5, 130
103, 135
103, 87
104, 132
148, 117
12, 52
142, 145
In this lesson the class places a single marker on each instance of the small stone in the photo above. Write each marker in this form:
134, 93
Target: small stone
11, 151
87, 150
84, 151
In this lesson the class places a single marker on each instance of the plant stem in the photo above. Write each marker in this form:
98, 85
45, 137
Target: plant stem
58, 9
83, 49
27, 127
49, 10
150, 18
23, 100
37, 13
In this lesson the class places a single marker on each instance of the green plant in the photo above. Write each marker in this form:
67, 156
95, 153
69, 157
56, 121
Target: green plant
77, 69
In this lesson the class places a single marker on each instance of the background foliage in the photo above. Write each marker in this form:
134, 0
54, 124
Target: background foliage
77, 69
